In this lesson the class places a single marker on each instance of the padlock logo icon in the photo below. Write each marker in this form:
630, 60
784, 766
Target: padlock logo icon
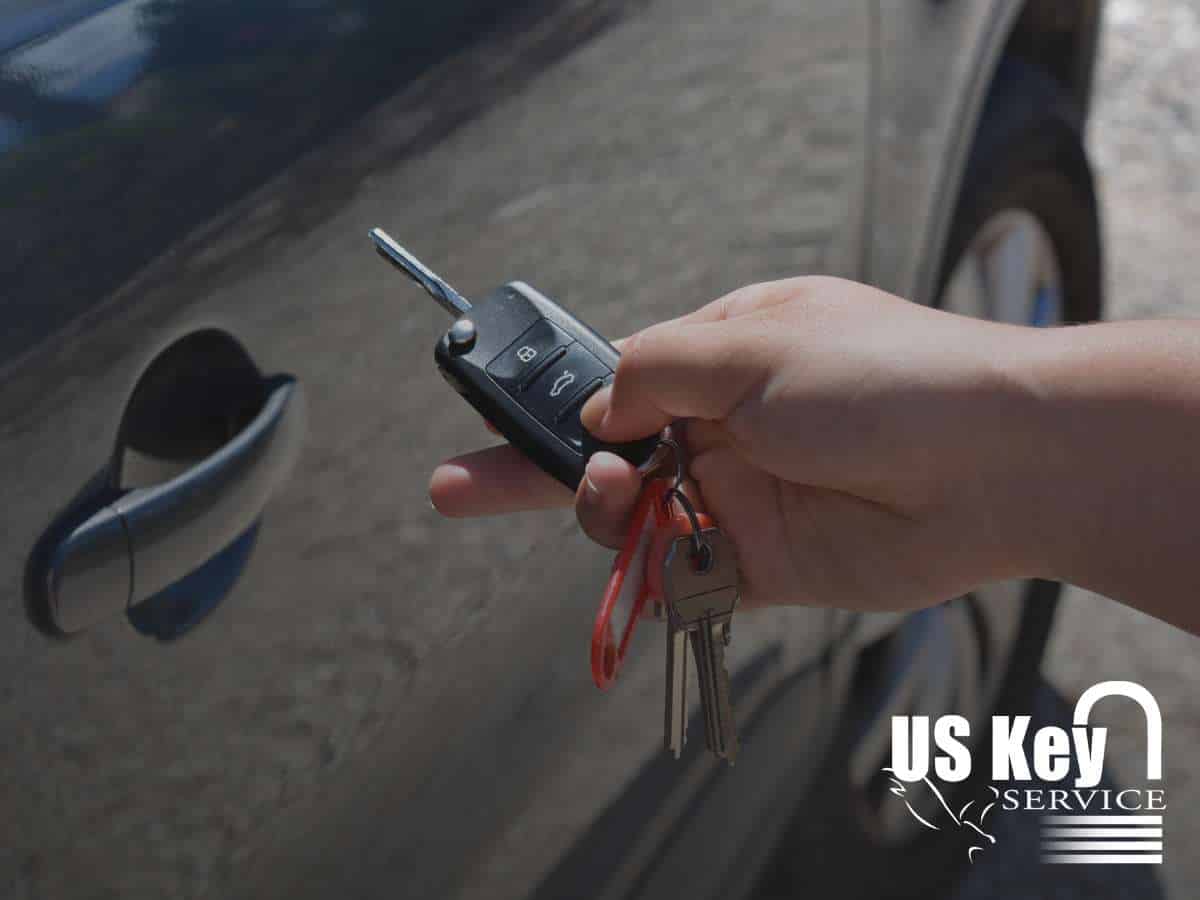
526, 353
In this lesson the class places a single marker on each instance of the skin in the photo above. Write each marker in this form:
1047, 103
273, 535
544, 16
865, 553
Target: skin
869, 453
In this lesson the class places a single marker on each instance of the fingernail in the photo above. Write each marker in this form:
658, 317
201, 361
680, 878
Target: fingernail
599, 471
593, 492
606, 469
594, 414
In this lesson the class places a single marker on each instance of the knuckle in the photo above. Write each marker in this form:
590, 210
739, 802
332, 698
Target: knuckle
642, 352
825, 287
735, 301
748, 298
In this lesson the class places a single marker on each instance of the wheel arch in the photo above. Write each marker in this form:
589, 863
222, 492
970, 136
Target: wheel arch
1060, 36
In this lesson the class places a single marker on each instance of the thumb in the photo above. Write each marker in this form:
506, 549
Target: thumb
680, 370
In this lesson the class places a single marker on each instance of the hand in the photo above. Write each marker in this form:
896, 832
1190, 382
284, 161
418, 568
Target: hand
857, 448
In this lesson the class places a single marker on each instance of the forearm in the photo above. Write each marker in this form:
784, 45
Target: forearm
1113, 462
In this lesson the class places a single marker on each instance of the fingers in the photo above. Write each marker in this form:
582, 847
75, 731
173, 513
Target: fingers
697, 366
743, 500
699, 436
606, 498
680, 370
651, 413
493, 481
745, 300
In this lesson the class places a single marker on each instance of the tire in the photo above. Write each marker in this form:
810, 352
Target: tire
1027, 155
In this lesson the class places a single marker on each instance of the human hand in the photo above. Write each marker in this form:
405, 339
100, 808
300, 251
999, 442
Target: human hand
860, 450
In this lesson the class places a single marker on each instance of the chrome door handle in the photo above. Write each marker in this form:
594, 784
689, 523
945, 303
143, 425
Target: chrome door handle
151, 537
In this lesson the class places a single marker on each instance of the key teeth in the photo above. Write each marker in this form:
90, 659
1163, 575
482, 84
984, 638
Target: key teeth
700, 609
676, 699
708, 650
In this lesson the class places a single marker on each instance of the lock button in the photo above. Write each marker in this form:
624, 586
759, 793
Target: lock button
518, 364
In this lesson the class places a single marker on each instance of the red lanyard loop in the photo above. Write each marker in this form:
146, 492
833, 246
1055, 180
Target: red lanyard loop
624, 594
637, 572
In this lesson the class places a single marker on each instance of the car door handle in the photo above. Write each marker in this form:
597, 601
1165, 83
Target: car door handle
152, 537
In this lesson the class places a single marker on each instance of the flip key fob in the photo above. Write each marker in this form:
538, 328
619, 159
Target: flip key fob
526, 365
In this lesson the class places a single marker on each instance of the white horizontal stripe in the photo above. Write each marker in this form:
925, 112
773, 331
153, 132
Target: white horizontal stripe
1104, 859
1102, 845
1102, 832
1101, 820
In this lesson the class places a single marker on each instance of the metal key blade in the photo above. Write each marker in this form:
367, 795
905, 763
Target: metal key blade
720, 732
701, 601
675, 728
437, 288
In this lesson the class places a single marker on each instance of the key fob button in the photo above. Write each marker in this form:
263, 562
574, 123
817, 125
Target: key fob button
556, 387
566, 421
524, 356
578, 399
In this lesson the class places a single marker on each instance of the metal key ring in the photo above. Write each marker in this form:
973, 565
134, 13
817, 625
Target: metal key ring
680, 463
667, 443
700, 548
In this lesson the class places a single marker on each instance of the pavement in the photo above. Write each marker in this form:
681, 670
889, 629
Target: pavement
1145, 142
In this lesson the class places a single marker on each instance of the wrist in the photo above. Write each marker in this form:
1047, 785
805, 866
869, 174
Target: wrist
1111, 424
1043, 462
1023, 466
1118, 405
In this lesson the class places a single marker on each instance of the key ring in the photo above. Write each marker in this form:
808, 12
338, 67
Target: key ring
666, 443
700, 548
701, 551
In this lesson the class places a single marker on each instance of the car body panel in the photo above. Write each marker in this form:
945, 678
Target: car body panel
128, 124
926, 116
925, 121
389, 701
387, 698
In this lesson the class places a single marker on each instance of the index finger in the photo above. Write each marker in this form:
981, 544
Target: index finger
493, 481
679, 370
742, 302
675, 369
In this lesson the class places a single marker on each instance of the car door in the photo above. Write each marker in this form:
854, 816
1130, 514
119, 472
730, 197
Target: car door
241, 655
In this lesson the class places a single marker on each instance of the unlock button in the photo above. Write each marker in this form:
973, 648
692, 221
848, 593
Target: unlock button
558, 384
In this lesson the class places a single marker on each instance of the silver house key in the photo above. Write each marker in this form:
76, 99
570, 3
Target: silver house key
676, 715
700, 581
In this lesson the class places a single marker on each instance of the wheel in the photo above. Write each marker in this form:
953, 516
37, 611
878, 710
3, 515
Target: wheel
1023, 246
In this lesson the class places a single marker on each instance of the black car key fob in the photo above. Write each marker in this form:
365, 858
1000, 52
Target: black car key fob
526, 365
